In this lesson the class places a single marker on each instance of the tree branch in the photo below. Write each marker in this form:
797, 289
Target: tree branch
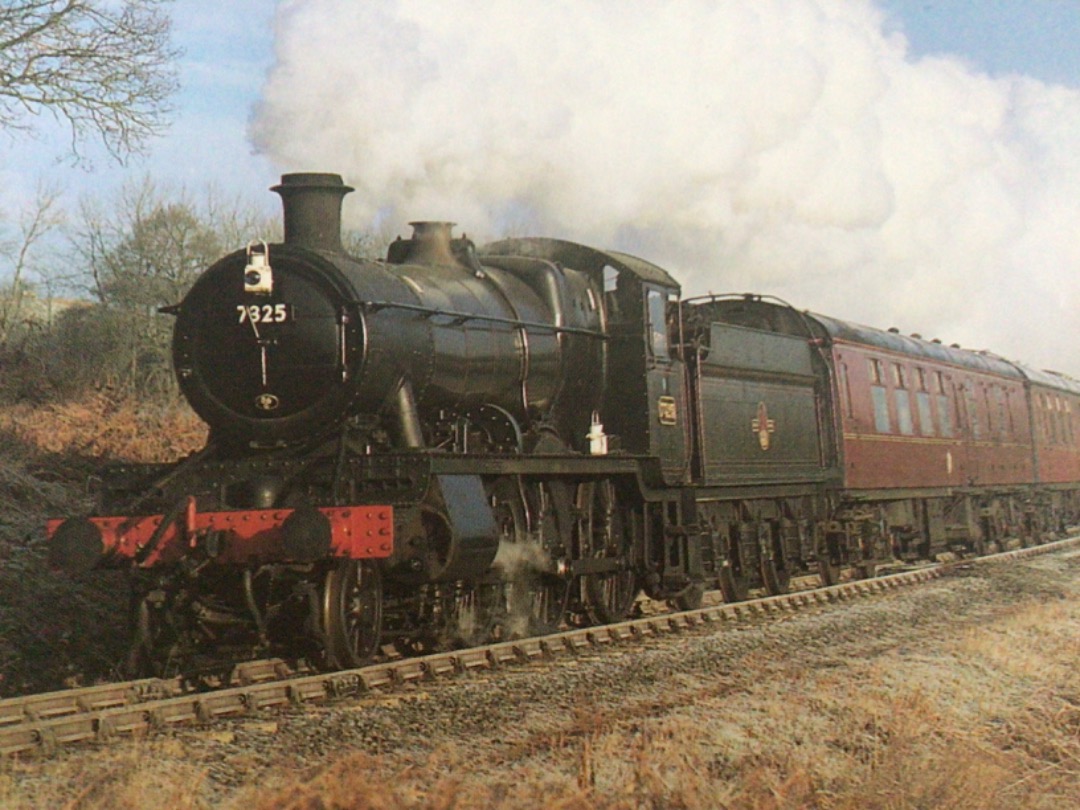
107, 68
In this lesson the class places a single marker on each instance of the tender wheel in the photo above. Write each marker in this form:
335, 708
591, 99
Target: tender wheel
776, 579
828, 563
774, 571
732, 580
605, 531
352, 613
733, 585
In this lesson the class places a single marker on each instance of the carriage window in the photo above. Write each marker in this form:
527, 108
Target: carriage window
926, 420
611, 278
899, 377
944, 415
903, 411
658, 338
880, 398
921, 372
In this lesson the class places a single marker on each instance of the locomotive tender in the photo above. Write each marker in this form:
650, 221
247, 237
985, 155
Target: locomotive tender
457, 444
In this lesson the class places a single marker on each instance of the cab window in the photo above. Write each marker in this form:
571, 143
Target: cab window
656, 303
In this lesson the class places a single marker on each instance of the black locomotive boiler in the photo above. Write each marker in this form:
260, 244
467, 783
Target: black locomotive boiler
455, 444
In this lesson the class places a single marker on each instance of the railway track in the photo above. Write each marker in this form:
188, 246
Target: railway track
40, 724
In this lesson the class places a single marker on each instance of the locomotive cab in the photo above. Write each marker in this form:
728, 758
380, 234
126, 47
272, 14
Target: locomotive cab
646, 412
650, 412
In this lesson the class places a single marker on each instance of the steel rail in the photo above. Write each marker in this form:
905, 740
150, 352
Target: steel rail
39, 724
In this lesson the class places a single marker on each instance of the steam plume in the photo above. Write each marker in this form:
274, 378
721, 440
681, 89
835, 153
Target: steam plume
790, 147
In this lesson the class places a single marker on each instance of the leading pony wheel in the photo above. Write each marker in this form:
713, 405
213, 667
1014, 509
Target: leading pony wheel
352, 613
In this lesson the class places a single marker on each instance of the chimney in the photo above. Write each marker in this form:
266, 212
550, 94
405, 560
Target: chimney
431, 244
312, 208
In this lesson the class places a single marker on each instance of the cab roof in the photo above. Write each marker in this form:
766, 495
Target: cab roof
579, 257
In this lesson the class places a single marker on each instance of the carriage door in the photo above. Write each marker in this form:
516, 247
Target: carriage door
666, 384
975, 435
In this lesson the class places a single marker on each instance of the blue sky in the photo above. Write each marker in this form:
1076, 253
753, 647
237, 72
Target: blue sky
1038, 38
227, 49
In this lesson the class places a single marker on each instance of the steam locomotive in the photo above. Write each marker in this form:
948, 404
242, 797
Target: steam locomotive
459, 444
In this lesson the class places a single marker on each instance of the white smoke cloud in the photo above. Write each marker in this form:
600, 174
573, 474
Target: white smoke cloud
789, 147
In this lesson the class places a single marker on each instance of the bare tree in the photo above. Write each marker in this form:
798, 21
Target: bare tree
105, 67
141, 251
18, 253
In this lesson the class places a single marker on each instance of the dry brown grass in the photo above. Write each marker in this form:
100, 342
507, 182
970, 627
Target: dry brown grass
992, 721
136, 779
105, 427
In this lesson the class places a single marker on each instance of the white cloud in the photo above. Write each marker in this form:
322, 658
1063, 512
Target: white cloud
782, 146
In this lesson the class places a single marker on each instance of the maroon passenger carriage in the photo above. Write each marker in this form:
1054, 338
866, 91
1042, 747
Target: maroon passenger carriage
940, 448
1054, 403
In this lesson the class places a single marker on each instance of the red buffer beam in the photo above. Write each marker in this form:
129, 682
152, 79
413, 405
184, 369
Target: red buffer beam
239, 537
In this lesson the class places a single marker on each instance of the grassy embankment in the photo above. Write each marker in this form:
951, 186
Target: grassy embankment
55, 630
